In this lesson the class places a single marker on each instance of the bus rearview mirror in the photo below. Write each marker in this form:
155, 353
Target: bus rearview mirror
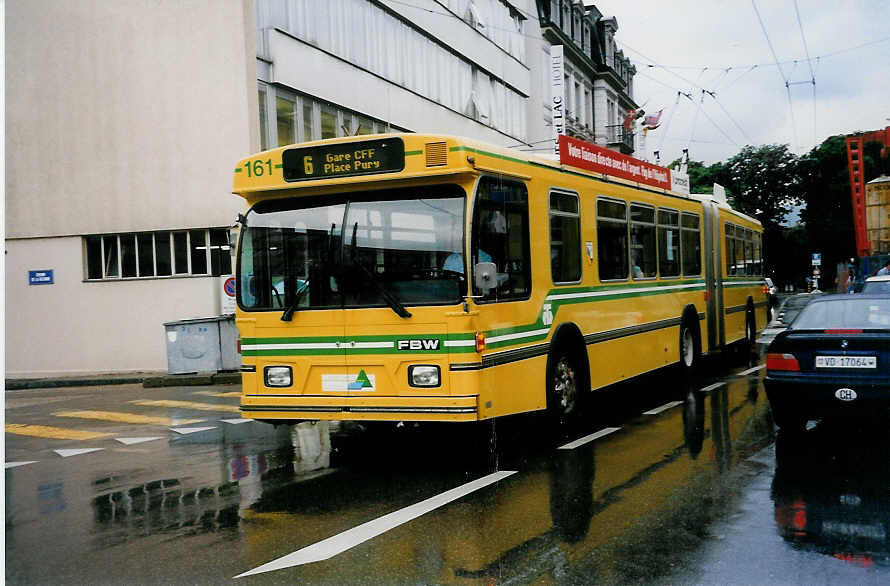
485, 276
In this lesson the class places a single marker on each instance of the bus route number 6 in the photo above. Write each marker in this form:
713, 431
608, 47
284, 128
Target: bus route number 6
307, 165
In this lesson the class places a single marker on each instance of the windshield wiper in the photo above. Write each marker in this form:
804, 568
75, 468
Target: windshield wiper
391, 299
290, 309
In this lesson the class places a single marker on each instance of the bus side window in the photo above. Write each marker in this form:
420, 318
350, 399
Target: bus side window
501, 236
565, 238
644, 264
611, 237
690, 241
730, 249
668, 243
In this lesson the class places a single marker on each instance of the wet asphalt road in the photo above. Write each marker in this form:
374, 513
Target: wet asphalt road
668, 483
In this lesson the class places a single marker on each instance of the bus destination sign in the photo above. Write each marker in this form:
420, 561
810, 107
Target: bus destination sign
367, 157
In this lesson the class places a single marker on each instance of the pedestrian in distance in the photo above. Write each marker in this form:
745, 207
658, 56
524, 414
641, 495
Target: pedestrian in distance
886, 269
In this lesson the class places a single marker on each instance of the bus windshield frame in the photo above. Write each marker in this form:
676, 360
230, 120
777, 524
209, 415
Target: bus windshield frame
377, 248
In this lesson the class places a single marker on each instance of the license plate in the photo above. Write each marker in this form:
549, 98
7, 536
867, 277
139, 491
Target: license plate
846, 362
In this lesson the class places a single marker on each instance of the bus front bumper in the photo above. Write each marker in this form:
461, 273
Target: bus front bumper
360, 408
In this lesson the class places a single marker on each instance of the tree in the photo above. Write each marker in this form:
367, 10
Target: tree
828, 215
764, 183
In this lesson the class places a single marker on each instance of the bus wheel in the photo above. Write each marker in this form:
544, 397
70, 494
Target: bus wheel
563, 387
689, 352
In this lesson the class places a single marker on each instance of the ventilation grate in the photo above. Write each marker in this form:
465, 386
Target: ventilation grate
436, 154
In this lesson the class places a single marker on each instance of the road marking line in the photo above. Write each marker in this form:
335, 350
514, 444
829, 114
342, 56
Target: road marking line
129, 441
187, 430
236, 421
214, 394
17, 464
664, 407
712, 387
125, 417
188, 405
750, 370
77, 452
350, 538
588, 438
46, 431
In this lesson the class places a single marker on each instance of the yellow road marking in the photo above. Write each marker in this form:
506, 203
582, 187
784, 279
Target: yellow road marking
188, 405
212, 394
46, 431
125, 417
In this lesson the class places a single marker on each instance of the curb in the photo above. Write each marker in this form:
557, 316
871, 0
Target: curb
148, 381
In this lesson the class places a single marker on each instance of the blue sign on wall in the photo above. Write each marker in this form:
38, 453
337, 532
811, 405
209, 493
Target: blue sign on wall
44, 277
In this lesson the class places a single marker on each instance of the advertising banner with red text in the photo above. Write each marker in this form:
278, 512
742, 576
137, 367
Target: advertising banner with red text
585, 155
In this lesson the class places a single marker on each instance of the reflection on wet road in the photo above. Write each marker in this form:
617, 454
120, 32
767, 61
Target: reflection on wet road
662, 484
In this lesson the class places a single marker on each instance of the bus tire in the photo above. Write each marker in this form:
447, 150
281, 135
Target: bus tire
565, 385
690, 346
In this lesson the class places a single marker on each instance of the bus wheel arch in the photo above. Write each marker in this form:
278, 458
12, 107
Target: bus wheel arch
567, 382
690, 340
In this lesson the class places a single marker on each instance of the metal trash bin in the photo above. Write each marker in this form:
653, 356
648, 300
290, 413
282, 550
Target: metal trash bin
204, 344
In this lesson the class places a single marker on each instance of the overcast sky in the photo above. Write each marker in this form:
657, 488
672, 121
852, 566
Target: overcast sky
683, 37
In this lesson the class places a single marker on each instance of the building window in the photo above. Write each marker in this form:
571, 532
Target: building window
287, 128
301, 118
611, 236
157, 254
264, 119
371, 37
565, 238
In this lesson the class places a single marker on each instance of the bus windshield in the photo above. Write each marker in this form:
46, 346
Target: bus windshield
368, 249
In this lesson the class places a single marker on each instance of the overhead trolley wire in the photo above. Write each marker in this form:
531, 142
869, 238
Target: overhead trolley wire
779, 67
810, 64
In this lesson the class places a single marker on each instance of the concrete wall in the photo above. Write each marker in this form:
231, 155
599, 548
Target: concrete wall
74, 327
319, 74
125, 115
121, 116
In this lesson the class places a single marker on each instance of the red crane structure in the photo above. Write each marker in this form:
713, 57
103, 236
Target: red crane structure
856, 166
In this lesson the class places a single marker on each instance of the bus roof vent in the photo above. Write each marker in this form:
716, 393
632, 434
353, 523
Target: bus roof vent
436, 154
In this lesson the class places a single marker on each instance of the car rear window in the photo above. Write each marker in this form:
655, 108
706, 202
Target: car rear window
876, 287
844, 312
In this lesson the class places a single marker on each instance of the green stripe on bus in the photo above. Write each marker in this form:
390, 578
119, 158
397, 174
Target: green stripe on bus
524, 334
413, 153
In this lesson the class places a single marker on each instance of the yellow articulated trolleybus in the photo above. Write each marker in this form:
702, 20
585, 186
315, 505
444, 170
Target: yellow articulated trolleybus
410, 277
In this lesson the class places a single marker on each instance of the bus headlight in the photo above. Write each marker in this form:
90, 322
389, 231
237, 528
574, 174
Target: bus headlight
423, 376
278, 376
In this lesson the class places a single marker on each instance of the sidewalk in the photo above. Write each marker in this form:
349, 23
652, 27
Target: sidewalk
148, 380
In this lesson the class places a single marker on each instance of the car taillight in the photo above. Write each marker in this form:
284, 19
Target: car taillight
764, 289
782, 362
852, 331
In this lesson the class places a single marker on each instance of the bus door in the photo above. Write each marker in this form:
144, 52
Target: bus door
713, 265
509, 315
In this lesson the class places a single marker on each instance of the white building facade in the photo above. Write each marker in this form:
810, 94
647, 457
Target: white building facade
124, 120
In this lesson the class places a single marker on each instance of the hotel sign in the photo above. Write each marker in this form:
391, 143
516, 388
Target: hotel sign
558, 94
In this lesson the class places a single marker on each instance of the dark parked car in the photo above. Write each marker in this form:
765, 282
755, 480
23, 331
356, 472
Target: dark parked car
833, 360
784, 315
